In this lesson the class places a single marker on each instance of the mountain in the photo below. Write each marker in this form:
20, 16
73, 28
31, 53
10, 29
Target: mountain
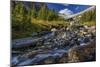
67, 14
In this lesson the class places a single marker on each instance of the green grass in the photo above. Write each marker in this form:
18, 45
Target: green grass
37, 26
89, 23
41, 25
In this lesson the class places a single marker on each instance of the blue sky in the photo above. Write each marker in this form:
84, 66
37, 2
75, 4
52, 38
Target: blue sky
67, 9
71, 7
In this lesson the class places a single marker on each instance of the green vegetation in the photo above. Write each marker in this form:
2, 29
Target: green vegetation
39, 18
89, 23
25, 22
89, 18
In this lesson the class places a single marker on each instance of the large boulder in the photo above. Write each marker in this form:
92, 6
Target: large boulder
83, 53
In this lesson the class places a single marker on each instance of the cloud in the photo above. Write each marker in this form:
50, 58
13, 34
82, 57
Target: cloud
66, 12
77, 8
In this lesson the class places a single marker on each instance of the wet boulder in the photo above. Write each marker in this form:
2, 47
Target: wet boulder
82, 53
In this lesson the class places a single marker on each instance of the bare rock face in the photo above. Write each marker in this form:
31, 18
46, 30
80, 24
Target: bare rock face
82, 53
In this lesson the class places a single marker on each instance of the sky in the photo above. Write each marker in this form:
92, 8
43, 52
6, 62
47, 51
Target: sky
67, 8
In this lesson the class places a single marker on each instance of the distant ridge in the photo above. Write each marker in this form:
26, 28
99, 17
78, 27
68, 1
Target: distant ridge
79, 13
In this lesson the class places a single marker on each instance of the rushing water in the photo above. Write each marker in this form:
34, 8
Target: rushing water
39, 57
48, 39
